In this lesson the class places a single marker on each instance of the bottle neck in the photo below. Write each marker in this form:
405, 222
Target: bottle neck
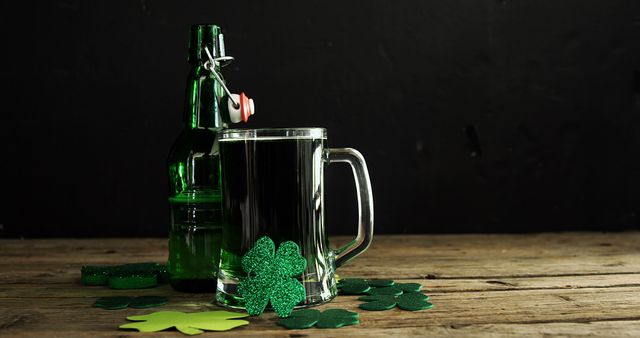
204, 96
204, 100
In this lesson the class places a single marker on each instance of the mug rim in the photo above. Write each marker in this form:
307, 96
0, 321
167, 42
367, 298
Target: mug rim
229, 135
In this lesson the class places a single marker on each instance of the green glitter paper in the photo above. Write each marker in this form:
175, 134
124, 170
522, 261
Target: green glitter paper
127, 275
137, 269
270, 277
329, 319
132, 282
95, 275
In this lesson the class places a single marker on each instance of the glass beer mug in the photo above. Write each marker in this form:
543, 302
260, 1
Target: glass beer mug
273, 185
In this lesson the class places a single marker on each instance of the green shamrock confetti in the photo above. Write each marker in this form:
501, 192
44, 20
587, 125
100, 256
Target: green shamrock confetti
360, 286
385, 294
330, 318
408, 287
378, 303
378, 283
335, 318
112, 303
302, 319
144, 302
390, 290
269, 277
344, 281
353, 286
116, 303
187, 323
412, 301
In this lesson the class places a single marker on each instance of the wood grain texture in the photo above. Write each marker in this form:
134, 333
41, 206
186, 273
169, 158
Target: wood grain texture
567, 284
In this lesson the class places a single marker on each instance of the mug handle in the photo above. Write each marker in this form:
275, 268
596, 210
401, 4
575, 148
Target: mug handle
365, 203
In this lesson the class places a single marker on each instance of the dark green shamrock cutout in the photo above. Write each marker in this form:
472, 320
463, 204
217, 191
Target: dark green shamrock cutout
344, 281
353, 286
360, 286
330, 318
142, 302
390, 290
408, 287
269, 277
302, 319
412, 301
112, 303
335, 318
379, 283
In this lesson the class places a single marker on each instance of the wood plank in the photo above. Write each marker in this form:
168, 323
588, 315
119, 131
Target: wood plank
592, 329
421, 256
498, 285
452, 309
71, 286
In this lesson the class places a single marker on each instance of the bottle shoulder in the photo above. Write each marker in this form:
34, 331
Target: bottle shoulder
192, 141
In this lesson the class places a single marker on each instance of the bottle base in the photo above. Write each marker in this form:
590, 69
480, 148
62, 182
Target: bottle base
229, 300
206, 285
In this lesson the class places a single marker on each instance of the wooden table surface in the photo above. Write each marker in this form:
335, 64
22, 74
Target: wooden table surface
482, 285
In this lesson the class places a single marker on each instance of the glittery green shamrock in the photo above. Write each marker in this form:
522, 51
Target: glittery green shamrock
269, 277
187, 323
411, 301
127, 276
329, 319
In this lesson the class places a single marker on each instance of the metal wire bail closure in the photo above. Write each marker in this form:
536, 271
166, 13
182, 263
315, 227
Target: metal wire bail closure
210, 65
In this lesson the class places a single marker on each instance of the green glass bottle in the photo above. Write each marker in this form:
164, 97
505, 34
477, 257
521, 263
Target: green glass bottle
194, 172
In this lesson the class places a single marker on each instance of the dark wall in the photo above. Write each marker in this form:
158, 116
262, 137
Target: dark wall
489, 115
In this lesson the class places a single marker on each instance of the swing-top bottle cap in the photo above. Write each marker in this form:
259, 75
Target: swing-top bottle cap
202, 35
245, 108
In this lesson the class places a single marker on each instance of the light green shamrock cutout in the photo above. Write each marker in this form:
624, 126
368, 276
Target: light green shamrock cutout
187, 323
270, 277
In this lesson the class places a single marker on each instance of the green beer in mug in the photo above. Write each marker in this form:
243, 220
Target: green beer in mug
273, 185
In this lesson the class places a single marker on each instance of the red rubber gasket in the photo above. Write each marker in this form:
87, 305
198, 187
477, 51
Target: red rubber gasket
245, 107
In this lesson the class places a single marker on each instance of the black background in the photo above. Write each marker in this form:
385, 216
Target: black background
474, 116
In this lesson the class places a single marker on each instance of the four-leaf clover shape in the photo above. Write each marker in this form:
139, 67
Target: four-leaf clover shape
269, 277
187, 323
